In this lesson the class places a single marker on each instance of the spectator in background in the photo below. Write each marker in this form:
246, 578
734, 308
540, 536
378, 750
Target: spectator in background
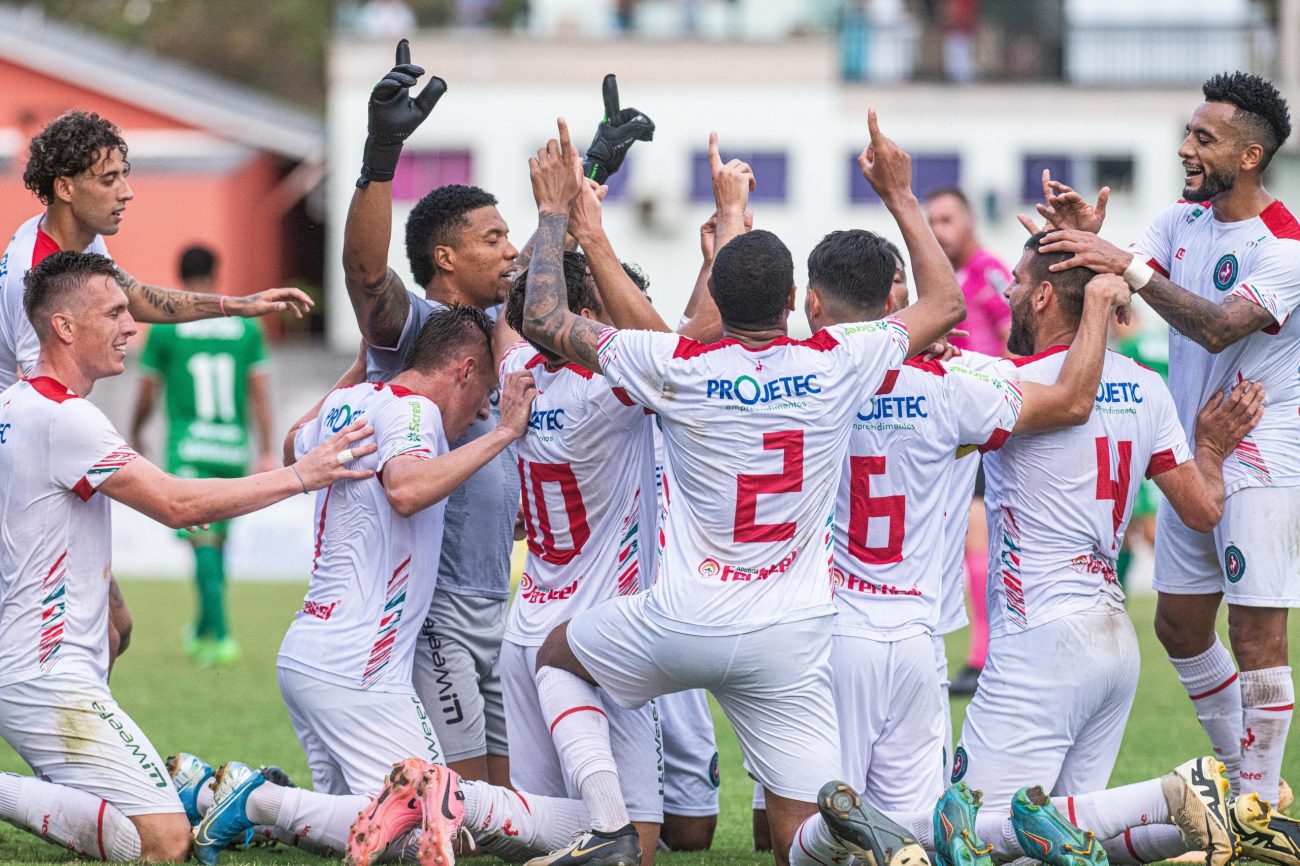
988, 323
212, 374
388, 19
960, 18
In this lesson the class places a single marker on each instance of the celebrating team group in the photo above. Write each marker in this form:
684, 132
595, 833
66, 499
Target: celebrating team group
719, 508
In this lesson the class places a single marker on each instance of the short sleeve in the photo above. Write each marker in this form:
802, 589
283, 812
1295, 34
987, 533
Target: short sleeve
638, 361
1273, 281
307, 438
1170, 448
383, 363
85, 449
27, 346
1157, 241
986, 407
515, 358
408, 427
153, 357
875, 347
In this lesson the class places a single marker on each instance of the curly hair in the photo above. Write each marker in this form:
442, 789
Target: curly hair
436, 220
69, 145
1262, 113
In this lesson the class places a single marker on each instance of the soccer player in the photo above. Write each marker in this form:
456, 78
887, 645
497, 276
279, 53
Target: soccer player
982, 277
213, 377
102, 789
1222, 267
755, 431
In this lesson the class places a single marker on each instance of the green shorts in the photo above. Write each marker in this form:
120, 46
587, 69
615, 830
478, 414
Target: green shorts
216, 532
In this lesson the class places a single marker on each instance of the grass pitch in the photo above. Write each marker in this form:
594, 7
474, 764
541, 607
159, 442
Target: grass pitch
236, 713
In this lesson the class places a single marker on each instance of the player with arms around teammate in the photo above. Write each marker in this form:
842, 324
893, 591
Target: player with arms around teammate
104, 792
213, 377
1222, 268
742, 601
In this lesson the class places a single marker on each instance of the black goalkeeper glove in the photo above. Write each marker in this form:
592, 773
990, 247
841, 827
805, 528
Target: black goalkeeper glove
394, 115
615, 135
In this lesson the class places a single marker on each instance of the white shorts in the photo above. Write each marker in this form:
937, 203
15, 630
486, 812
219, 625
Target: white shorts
1251, 556
534, 763
891, 722
690, 754
1051, 707
70, 731
353, 737
941, 672
774, 684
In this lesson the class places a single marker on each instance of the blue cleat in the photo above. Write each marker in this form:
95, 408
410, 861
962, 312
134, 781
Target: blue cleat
865, 831
955, 840
226, 821
189, 774
1046, 836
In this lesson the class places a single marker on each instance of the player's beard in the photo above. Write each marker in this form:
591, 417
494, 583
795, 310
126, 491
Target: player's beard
1213, 183
1021, 339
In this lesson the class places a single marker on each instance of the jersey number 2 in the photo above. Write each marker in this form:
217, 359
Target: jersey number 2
749, 486
537, 517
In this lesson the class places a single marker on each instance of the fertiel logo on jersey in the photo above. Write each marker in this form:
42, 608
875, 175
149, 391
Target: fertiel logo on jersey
711, 568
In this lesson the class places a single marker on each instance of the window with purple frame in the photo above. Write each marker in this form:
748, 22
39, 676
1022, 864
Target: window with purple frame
930, 171
419, 171
1031, 173
770, 167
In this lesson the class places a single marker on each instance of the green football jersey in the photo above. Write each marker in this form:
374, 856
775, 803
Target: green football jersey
203, 368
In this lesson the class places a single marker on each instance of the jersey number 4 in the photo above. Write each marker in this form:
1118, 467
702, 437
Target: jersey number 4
1114, 488
537, 516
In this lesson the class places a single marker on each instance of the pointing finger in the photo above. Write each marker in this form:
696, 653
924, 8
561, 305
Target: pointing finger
566, 146
715, 159
609, 90
873, 126
403, 52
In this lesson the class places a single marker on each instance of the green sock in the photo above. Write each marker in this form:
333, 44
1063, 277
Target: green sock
1122, 563
210, 571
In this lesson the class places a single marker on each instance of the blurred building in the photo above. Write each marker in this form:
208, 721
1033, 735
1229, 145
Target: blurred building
1100, 115
210, 161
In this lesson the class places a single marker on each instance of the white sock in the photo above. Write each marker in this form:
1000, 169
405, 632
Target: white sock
1267, 702
815, 845
919, 824
1211, 682
204, 800
580, 731
68, 817
1109, 813
995, 829
321, 821
1145, 845
541, 824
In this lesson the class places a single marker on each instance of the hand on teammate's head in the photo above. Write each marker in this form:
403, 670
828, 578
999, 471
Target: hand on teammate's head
556, 173
885, 165
1224, 421
732, 181
320, 467
1115, 291
517, 392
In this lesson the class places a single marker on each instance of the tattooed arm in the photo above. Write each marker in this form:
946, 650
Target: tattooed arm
149, 303
378, 297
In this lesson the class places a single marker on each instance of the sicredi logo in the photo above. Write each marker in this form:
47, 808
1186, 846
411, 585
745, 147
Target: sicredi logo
749, 391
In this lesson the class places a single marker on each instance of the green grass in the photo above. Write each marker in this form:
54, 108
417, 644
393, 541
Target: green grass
236, 712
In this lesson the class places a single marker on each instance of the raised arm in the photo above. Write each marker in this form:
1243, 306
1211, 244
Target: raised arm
939, 305
158, 304
181, 502
378, 297
1195, 488
556, 174
413, 484
1068, 402
1214, 326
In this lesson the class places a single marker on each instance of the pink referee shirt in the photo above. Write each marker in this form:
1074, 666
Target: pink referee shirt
982, 281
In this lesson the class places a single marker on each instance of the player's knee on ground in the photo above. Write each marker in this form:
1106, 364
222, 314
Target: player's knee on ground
163, 838
1258, 636
1185, 624
692, 832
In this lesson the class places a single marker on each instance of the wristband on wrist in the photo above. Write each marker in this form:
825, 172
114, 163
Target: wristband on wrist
1138, 274
299, 475
222, 306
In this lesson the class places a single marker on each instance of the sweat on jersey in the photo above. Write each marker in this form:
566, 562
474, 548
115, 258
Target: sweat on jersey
373, 571
891, 544
754, 443
586, 477
1257, 259
56, 548
30, 245
1059, 502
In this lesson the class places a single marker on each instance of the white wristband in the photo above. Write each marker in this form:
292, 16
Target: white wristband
1138, 274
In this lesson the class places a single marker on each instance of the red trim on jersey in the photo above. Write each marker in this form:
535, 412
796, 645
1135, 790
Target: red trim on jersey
99, 829
320, 530
539, 360
1161, 462
1201, 203
44, 248
83, 489
996, 441
623, 396
1280, 222
1029, 359
398, 390
1283, 709
688, 348
1214, 691
1158, 268
52, 389
1069, 808
527, 808
571, 710
579, 369
1128, 843
931, 366
887, 385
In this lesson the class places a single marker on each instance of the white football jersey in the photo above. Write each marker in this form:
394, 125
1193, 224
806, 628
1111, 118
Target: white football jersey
1257, 259
1059, 502
754, 443
586, 477
28, 247
373, 571
56, 547
890, 537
